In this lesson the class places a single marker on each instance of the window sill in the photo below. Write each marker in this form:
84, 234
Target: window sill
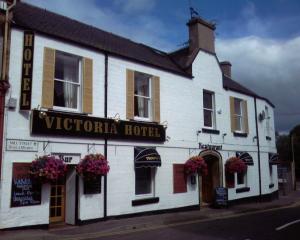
268, 138
144, 201
237, 134
243, 189
67, 111
271, 185
211, 131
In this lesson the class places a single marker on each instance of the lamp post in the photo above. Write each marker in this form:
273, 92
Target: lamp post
293, 162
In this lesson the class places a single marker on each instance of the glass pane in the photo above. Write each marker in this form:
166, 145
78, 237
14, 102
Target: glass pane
53, 193
52, 212
142, 180
238, 123
207, 118
207, 100
58, 201
58, 190
58, 211
237, 107
52, 202
141, 107
65, 94
240, 178
141, 84
66, 67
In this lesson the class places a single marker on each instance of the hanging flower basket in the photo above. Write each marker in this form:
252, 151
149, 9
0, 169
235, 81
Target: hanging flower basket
235, 165
92, 166
48, 169
195, 165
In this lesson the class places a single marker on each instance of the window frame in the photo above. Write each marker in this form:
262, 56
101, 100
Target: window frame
240, 117
271, 171
152, 185
150, 100
212, 110
267, 117
79, 84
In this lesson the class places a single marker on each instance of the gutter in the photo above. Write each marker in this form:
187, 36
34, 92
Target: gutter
4, 84
105, 139
258, 148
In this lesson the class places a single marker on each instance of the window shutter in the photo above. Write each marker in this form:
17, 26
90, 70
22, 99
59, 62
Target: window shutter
179, 179
48, 78
232, 117
87, 102
156, 99
129, 94
245, 117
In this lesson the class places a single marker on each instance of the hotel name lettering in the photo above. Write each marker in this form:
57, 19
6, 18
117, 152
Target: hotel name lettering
56, 123
27, 66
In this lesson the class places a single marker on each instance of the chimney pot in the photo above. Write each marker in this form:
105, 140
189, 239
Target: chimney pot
226, 68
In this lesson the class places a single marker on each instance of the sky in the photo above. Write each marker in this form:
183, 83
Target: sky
261, 38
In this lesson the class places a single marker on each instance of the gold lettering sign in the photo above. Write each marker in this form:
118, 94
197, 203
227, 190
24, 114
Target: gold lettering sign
74, 125
27, 67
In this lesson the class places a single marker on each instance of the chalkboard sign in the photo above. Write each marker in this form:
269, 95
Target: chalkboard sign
25, 191
221, 197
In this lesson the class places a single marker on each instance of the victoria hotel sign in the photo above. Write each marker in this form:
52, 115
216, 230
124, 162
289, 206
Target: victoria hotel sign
74, 125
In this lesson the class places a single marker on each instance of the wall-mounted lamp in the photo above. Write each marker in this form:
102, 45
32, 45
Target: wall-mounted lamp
254, 138
42, 114
219, 111
224, 134
117, 117
165, 124
198, 132
168, 138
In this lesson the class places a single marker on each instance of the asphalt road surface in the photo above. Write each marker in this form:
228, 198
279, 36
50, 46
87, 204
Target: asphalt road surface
283, 224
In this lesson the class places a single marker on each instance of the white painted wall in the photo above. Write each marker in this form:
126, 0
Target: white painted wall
181, 106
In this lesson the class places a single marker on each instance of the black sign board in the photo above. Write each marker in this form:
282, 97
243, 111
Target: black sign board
221, 197
25, 191
76, 125
27, 66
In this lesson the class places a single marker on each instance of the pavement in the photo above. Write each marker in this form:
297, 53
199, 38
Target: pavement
115, 227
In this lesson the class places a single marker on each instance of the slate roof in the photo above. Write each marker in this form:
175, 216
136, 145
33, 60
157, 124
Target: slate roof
29, 17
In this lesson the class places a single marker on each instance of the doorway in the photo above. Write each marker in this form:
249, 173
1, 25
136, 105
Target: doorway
57, 202
213, 178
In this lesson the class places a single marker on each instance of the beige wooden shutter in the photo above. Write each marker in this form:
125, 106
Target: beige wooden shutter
232, 116
156, 99
48, 78
87, 101
245, 116
129, 94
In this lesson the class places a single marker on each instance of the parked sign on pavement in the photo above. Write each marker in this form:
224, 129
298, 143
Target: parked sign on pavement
221, 197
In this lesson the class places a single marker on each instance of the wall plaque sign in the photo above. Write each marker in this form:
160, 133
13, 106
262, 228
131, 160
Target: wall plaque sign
21, 145
68, 158
210, 147
25, 191
82, 126
27, 66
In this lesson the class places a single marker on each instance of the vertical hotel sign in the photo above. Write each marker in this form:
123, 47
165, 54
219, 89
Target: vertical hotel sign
27, 66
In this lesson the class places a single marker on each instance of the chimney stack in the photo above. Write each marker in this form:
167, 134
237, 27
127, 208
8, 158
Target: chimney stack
226, 68
201, 35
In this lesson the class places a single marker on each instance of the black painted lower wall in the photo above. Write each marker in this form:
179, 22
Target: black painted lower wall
262, 198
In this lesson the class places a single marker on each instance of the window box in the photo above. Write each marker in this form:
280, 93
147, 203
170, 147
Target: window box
211, 131
144, 201
243, 189
237, 134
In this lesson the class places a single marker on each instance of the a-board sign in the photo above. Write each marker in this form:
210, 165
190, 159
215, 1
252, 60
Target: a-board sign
221, 197
25, 191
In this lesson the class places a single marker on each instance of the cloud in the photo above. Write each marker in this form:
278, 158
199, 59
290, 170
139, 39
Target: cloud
143, 28
270, 68
135, 6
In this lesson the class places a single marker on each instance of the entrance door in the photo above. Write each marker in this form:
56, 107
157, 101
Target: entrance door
211, 180
57, 203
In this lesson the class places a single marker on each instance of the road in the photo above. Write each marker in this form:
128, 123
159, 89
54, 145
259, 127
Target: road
255, 226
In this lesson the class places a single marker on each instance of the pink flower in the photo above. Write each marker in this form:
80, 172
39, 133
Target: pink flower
195, 164
235, 164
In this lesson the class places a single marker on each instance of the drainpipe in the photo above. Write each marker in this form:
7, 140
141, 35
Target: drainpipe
105, 139
4, 84
258, 148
